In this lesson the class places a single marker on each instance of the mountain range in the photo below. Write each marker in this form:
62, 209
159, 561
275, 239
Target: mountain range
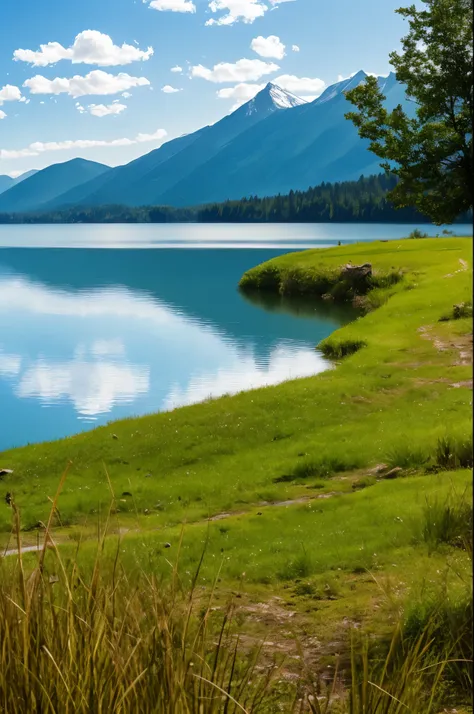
7, 182
272, 144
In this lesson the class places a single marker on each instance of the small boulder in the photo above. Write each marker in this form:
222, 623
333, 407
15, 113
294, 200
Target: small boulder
378, 469
393, 473
357, 271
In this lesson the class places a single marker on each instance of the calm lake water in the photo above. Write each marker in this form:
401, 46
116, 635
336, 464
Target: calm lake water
121, 326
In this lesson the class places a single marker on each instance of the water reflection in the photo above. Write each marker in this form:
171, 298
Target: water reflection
302, 306
77, 350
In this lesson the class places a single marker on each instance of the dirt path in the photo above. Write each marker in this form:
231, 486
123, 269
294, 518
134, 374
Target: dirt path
273, 504
462, 269
460, 343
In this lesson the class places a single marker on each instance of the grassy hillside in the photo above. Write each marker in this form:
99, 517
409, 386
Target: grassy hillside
319, 501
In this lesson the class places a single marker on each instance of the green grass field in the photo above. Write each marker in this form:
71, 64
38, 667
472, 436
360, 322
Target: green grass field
278, 486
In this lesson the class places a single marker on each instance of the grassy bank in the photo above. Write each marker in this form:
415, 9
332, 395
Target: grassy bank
318, 502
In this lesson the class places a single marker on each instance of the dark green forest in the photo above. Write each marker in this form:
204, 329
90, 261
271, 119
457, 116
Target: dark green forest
363, 201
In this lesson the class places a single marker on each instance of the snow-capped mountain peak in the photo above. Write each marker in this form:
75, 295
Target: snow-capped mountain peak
283, 99
272, 97
339, 87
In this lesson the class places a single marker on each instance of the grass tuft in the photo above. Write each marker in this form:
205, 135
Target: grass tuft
337, 349
324, 467
449, 521
453, 453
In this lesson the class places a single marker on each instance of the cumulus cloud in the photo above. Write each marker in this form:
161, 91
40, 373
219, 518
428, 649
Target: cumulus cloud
168, 89
104, 110
301, 86
236, 11
241, 10
2, 114
89, 47
241, 93
39, 147
270, 46
295, 48
9, 93
96, 82
173, 5
176, 69
241, 71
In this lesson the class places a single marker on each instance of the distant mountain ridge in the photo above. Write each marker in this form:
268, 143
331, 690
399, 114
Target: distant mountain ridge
7, 182
42, 187
274, 143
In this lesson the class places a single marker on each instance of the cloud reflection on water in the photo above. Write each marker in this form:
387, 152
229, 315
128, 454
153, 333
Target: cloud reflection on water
100, 349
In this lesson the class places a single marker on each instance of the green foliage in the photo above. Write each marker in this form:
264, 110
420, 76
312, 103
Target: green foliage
418, 234
430, 153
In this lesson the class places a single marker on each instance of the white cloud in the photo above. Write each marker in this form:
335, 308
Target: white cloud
173, 5
237, 11
104, 110
341, 78
89, 47
157, 135
295, 48
168, 89
270, 46
39, 147
176, 69
241, 71
96, 82
2, 114
241, 93
301, 86
126, 95
9, 93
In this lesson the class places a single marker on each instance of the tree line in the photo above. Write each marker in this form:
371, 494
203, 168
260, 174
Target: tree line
365, 200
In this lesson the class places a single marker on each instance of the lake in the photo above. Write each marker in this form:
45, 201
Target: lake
129, 323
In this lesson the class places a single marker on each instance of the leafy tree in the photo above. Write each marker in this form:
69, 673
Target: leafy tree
431, 152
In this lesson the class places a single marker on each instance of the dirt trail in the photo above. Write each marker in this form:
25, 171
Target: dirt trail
273, 504
462, 269
460, 343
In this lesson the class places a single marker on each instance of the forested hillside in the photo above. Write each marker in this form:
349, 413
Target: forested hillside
363, 201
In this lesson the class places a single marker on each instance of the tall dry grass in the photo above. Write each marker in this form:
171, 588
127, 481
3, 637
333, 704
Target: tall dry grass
101, 642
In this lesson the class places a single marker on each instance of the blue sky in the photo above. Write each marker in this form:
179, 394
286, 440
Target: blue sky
98, 91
